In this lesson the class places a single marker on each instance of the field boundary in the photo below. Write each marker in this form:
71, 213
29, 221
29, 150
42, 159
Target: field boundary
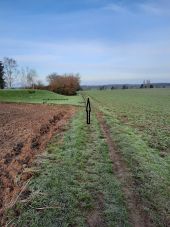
17, 159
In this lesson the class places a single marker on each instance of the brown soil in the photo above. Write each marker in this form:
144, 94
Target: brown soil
95, 218
24, 133
137, 216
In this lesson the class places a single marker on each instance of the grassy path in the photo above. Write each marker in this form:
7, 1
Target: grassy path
136, 215
74, 183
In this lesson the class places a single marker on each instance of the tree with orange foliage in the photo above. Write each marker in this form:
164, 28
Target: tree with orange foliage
67, 84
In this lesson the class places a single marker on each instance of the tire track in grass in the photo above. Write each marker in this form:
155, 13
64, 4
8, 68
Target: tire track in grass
136, 215
95, 217
109, 207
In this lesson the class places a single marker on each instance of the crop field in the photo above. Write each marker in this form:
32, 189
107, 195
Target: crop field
139, 125
57, 170
147, 112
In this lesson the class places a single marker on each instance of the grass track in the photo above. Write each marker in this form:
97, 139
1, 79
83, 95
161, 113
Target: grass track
76, 179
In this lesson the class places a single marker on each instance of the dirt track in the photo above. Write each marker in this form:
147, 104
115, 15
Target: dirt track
24, 132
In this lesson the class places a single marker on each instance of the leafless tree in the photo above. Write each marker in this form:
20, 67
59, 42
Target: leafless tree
23, 74
148, 83
31, 78
10, 71
51, 77
28, 77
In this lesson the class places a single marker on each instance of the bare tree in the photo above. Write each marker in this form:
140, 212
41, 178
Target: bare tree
23, 75
39, 83
148, 83
31, 78
10, 71
51, 77
28, 77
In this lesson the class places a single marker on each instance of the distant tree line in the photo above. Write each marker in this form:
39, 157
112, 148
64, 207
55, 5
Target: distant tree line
67, 84
146, 84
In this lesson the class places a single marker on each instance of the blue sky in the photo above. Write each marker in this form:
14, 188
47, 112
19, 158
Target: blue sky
118, 41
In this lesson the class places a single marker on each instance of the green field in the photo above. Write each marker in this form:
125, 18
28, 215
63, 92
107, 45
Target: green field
77, 181
139, 122
37, 96
146, 111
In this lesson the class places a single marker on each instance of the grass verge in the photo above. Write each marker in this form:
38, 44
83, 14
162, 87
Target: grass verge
37, 96
75, 182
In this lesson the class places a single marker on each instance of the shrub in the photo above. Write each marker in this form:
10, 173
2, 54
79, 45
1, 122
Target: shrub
65, 85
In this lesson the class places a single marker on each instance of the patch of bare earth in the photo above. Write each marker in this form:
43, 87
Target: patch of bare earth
24, 133
95, 218
137, 215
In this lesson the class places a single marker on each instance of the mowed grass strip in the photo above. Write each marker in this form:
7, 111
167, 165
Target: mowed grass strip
37, 96
75, 185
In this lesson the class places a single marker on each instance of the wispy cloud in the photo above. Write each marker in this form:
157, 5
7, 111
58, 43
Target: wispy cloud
116, 8
156, 7
159, 7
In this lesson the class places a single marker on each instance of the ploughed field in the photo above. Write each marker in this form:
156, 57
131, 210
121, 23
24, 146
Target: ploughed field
24, 132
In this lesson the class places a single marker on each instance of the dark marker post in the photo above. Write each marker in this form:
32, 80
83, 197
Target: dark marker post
88, 110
